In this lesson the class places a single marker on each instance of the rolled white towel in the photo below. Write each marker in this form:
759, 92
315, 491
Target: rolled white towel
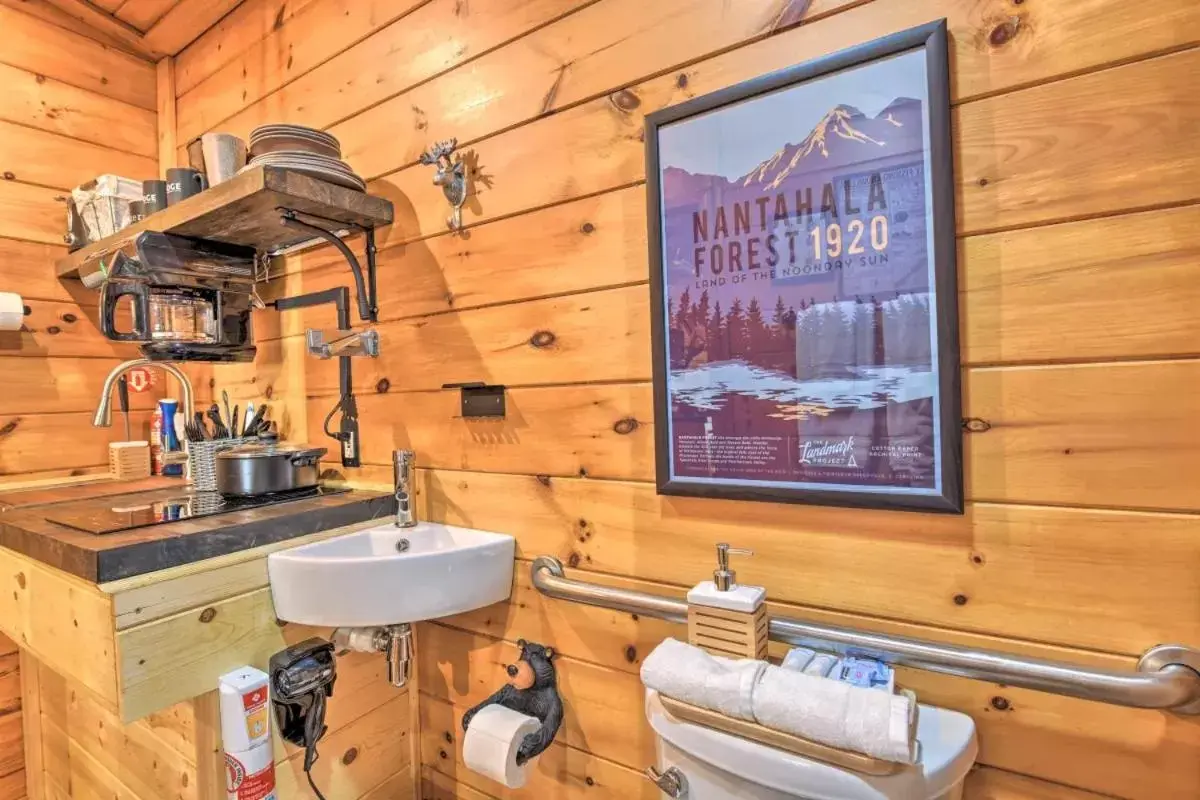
690, 675
867, 721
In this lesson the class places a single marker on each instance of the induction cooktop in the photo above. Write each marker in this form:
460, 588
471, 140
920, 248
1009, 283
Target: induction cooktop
126, 511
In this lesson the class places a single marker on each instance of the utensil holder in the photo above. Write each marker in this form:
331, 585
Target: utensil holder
202, 460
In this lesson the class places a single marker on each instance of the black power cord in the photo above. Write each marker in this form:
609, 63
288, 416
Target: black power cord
314, 727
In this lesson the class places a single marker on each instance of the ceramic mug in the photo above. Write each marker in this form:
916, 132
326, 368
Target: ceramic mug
154, 196
184, 182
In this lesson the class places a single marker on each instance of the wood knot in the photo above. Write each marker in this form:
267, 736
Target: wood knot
69, 318
21, 579
449, 737
588, 227
269, 392
631, 654
10, 426
382, 386
208, 615
960, 599
625, 426
1001, 703
443, 755
625, 100
350, 756
1005, 32
544, 480
542, 339
10, 176
39, 78
54, 330
978, 559
682, 81
976, 425
573, 560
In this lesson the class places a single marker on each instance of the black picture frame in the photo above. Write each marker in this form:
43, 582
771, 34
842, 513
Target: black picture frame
932, 39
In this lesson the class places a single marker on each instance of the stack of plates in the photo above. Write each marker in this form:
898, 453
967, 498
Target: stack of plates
307, 150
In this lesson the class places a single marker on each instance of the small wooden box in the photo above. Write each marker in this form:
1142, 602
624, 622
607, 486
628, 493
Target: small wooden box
732, 634
129, 460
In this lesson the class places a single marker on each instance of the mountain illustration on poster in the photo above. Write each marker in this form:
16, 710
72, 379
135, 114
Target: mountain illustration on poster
798, 285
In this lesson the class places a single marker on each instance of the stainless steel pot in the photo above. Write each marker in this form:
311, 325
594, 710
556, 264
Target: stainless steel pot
249, 470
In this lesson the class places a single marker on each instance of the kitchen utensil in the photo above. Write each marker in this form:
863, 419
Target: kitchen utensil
267, 138
233, 422
195, 154
224, 155
123, 399
225, 400
249, 470
154, 196
248, 415
201, 428
184, 182
219, 429
256, 421
160, 314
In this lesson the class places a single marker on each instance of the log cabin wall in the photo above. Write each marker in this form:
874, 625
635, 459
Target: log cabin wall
70, 108
1077, 173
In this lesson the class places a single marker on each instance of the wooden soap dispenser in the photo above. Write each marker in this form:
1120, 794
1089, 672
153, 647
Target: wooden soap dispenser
725, 618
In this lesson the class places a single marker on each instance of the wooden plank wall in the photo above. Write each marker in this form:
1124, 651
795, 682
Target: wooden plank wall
1075, 129
70, 109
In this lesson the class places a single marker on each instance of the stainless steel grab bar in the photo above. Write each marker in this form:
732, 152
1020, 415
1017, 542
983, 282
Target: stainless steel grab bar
1167, 676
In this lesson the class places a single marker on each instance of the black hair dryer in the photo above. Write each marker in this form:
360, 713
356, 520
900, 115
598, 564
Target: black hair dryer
302, 677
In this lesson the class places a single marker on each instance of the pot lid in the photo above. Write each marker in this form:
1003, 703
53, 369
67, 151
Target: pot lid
268, 450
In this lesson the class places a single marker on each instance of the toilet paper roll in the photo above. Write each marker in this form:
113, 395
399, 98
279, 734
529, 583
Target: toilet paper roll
490, 746
12, 311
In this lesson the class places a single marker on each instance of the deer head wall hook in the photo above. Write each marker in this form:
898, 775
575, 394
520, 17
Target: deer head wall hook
451, 175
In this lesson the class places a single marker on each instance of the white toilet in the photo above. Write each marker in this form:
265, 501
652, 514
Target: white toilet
718, 766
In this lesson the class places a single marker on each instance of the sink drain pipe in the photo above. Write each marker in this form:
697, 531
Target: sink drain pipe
395, 641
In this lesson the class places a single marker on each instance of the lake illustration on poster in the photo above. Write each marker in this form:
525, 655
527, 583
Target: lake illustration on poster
804, 295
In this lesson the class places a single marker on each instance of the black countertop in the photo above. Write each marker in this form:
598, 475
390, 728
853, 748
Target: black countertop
108, 557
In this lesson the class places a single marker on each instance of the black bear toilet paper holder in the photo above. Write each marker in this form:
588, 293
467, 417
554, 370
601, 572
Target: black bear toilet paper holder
532, 689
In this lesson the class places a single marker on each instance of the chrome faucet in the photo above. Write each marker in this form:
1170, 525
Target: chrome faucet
103, 418
402, 468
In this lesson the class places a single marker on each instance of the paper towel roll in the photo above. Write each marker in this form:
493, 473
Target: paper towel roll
12, 311
490, 747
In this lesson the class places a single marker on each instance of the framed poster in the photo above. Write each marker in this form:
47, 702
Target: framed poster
804, 299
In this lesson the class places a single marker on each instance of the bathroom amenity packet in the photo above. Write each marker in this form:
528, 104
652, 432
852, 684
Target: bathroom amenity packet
868, 673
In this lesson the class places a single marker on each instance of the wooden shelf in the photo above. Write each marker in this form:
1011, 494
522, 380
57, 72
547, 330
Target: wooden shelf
245, 210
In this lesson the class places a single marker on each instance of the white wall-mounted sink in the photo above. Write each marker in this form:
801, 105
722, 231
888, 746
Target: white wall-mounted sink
370, 577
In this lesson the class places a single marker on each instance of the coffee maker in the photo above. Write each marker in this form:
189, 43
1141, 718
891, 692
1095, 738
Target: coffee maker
191, 298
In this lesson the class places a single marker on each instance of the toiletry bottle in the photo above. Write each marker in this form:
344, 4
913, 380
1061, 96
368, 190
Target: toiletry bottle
156, 464
725, 618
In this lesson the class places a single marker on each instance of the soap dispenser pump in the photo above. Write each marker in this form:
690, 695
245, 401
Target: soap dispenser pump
726, 618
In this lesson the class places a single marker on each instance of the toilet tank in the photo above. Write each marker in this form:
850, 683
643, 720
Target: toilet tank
720, 766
